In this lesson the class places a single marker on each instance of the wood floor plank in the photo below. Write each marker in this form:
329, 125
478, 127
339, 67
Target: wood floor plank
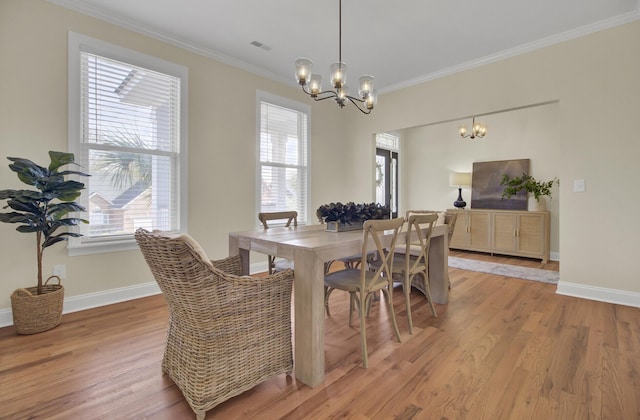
503, 348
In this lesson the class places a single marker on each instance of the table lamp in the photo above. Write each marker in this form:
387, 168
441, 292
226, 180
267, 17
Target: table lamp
460, 180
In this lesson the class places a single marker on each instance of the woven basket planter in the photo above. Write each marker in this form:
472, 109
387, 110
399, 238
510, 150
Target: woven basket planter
33, 313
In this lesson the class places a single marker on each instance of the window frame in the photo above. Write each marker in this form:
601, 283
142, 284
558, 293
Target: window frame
77, 44
262, 96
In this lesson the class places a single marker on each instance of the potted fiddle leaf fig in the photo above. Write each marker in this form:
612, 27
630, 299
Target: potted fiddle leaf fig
536, 189
42, 210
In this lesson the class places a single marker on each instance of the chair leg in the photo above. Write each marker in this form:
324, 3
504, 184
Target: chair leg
427, 289
327, 292
367, 303
272, 264
327, 266
406, 288
363, 333
388, 293
351, 298
371, 297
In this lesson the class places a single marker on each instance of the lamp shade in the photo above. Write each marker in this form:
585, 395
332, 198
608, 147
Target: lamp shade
460, 179
303, 70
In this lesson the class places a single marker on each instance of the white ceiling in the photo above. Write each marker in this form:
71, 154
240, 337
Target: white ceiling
400, 42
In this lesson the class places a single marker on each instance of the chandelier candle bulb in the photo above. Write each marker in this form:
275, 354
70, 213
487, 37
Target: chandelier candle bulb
366, 85
303, 70
315, 84
371, 100
338, 74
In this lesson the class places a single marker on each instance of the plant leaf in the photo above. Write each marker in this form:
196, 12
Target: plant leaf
59, 159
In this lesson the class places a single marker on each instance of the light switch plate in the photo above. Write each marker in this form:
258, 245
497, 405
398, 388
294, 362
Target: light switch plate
578, 185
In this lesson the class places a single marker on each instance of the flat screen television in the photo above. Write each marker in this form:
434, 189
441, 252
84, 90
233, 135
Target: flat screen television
486, 191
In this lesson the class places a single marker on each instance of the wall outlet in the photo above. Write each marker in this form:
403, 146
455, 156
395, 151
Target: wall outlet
60, 270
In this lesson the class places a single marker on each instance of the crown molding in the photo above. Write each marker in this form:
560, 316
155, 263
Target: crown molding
522, 49
215, 55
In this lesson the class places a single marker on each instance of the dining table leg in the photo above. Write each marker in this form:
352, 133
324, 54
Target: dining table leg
308, 290
439, 269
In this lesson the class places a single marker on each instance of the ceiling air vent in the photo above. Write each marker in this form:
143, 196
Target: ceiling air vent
261, 45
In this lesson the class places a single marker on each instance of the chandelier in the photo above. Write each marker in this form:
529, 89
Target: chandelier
312, 83
478, 129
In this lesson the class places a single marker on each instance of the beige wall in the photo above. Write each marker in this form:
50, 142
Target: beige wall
430, 152
594, 79
222, 141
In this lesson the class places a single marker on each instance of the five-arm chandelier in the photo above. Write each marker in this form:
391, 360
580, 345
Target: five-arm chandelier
312, 83
478, 129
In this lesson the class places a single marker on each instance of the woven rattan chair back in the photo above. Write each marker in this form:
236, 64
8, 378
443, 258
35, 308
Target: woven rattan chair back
227, 332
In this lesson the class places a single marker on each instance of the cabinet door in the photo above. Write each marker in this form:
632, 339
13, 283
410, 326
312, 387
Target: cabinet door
460, 237
505, 231
479, 230
531, 234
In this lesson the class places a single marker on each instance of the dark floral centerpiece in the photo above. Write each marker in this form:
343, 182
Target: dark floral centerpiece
350, 216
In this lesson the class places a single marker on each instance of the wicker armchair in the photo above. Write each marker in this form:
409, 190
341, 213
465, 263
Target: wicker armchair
227, 333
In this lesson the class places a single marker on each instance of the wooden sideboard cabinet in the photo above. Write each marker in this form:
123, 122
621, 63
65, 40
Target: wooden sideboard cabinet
472, 231
510, 232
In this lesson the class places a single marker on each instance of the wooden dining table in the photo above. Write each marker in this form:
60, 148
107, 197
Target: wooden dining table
310, 247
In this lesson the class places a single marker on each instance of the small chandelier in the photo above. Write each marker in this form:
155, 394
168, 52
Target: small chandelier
478, 129
312, 83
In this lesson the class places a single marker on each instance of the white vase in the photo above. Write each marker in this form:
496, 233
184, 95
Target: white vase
536, 205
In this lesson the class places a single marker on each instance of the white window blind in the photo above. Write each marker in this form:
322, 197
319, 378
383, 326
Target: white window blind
283, 162
130, 141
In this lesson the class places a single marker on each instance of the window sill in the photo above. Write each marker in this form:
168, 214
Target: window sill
125, 244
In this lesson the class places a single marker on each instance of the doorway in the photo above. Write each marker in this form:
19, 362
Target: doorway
387, 179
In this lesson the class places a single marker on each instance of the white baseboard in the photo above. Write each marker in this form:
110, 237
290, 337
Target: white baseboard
94, 300
108, 297
600, 294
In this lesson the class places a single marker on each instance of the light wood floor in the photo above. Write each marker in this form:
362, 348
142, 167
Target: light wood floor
502, 348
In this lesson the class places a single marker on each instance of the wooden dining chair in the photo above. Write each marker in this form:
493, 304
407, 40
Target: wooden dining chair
288, 217
448, 218
362, 283
411, 264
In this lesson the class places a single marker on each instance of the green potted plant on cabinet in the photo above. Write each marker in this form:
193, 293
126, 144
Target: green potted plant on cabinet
536, 189
42, 210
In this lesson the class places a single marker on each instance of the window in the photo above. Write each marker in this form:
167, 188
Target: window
283, 165
127, 120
